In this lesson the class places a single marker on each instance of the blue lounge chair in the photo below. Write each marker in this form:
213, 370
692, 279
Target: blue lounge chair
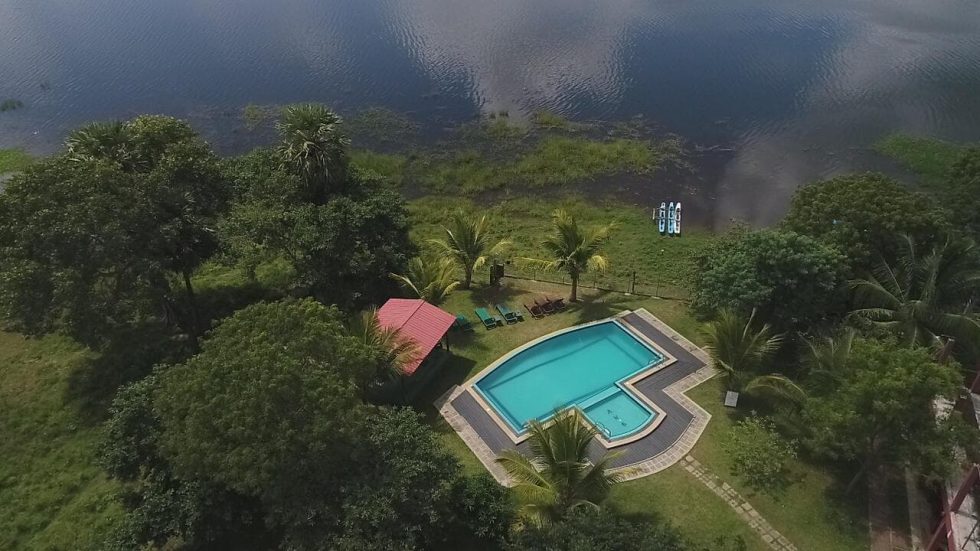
509, 315
488, 321
462, 323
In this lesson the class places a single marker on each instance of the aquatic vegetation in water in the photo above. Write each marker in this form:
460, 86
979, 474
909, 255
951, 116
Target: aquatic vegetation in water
380, 126
13, 160
10, 105
255, 116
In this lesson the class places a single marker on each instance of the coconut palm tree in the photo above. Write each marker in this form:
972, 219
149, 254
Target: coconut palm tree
923, 300
395, 351
574, 250
314, 146
101, 140
467, 243
739, 350
828, 357
558, 475
431, 279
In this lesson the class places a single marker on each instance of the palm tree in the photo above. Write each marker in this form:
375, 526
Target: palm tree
467, 243
313, 144
828, 358
430, 279
395, 351
574, 250
101, 140
558, 475
923, 300
740, 350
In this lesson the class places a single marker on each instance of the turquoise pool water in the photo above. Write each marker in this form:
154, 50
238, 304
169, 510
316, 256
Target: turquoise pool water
583, 368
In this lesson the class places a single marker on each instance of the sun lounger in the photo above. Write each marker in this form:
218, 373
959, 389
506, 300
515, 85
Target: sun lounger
462, 323
509, 315
546, 307
488, 321
535, 311
557, 303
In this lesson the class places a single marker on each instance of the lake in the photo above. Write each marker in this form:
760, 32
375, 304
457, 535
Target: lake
778, 92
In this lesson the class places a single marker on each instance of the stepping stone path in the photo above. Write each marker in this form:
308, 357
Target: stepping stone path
770, 535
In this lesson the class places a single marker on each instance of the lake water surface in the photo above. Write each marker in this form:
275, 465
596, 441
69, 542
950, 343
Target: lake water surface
798, 90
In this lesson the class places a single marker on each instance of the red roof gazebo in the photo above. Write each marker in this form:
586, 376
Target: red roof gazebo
419, 321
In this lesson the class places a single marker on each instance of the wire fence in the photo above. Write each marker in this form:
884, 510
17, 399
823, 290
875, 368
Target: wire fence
627, 282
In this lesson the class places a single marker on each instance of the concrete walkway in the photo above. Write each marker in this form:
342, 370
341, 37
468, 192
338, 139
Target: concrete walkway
745, 511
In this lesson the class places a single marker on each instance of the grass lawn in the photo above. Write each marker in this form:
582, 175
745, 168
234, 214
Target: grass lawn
13, 160
52, 494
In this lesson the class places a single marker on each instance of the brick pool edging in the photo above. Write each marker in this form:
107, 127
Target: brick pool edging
645, 466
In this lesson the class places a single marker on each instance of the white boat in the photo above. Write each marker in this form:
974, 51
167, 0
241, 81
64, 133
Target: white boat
662, 218
671, 220
677, 218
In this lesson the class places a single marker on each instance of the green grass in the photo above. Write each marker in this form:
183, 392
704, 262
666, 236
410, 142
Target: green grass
13, 160
928, 157
391, 166
664, 265
52, 494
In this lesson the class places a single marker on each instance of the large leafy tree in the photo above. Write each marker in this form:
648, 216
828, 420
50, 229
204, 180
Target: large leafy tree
860, 214
923, 298
468, 243
573, 250
740, 350
963, 191
791, 279
428, 278
558, 476
314, 147
591, 530
881, 411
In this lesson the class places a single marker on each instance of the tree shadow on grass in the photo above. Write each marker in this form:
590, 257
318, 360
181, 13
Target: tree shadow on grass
600, 305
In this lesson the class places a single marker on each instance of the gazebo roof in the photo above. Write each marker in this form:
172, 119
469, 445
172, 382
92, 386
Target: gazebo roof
419, 321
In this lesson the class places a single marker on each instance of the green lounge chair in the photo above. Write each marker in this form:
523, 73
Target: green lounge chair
509, 315
462, 323
488, 321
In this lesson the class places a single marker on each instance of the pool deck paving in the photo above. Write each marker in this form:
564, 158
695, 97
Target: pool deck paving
672, 440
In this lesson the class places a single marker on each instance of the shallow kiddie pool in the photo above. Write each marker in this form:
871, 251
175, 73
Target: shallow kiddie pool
583, 368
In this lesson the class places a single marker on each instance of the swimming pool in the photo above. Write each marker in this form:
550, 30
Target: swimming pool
586, 367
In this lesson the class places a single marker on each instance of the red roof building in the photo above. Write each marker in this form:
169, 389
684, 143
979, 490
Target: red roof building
419, 321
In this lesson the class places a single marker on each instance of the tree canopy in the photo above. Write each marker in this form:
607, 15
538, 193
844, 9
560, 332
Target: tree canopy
861, 214
791, 279
963, 191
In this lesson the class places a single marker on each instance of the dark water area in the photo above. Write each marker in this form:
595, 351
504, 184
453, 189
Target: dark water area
790, 91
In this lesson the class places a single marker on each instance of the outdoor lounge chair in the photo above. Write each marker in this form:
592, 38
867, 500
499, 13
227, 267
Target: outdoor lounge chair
509, 315
463, 323
546, 307
488, 321
557, 303
535, 311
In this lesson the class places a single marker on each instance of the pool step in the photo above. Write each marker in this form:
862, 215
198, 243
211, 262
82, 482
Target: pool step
596, 398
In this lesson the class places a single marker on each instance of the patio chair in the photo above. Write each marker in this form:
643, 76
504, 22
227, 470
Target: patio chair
557, 303
545, 307
509, 315
488, 321
462, 323
535, 311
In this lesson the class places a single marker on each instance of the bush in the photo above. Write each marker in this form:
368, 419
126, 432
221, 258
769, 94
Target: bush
759, 455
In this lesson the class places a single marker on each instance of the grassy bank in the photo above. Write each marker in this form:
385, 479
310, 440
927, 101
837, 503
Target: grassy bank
663, 265
52, 494
928, 157
13, 160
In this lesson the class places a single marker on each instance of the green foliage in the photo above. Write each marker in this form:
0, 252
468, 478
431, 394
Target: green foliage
760, 455
10, 105
923, 299
881, 411
467, 243
254, 116
861, 215
484, 509
378, 125
428, 278
963, 191
741, 350
558, 475
389, 166
315, 148
14, 160
592, 530
393, 349
791, 279
573, 250
928, 157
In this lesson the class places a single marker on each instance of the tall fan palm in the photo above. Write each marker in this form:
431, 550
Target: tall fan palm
467, 243
395, 351
574, 250
923, 299
313, 144
107, 141
431, 279
558, 475
739, 350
